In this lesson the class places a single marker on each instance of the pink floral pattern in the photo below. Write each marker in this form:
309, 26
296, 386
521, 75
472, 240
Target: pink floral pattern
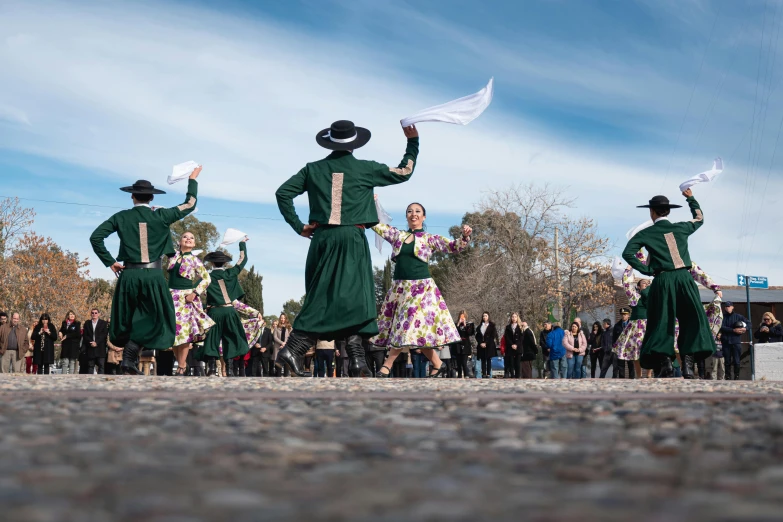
191, 267
425, 244
414, 314
193, 323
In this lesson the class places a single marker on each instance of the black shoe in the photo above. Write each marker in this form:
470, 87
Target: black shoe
666, 370
380, 375
229, 364
293, 352
130, 354
687, 367
736, 375
211, 367
440, 372
357, 362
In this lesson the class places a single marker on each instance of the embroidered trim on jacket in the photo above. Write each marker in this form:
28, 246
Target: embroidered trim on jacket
405, 170
241, 257
337, 198
673, 250
699, 216
143, 243
222, 285
188, 205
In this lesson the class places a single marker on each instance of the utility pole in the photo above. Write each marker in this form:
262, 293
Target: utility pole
558, 302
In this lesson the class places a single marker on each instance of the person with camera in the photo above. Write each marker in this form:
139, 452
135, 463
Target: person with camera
770, 330
732, 329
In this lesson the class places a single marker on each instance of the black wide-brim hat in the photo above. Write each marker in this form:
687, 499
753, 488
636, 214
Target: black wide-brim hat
659, 202
343, 135
217, 257
142, 187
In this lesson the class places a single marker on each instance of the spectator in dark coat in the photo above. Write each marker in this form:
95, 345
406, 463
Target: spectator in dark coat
544, 347
94, 341
731, 336
487, 338
513, 342
529, 352
770, 330
464, 350
71, 337
44, 336
261, 357
610, 358
594, 342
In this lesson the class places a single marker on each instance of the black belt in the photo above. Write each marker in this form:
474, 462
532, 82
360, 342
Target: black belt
135, 266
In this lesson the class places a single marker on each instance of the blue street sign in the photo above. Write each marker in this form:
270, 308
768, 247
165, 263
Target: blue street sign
753, 281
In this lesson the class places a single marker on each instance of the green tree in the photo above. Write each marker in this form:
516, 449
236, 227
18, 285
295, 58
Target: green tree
252, 284
292, 307
383, 282
206, 233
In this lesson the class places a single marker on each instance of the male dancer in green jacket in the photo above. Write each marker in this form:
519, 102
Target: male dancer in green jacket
142, 312
673, 293
340, 290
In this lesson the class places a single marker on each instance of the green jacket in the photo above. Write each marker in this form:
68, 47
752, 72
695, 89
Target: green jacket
666, 243
224, 287
340, 188
144, 233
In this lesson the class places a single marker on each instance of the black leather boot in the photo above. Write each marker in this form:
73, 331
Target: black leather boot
666, 370
294, 351
130, 356
687, 367
736, 374
357, 363
211, 366
229, 367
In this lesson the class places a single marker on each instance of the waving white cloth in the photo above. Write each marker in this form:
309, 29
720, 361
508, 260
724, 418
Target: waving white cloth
383, 217
181, 171
703, 177
231, 236
618, 268
638, 228
459, 112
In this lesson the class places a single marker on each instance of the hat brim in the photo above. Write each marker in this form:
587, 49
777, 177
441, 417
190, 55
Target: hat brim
362, 137
660, 206
152, 190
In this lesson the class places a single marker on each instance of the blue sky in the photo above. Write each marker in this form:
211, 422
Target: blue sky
615, 100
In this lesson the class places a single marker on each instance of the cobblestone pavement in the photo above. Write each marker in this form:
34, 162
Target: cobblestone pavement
95, 448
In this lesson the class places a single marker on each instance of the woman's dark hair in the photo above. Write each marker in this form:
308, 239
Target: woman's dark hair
489, 317
143, 198
218, 265
578, 328
598, 325
44, 316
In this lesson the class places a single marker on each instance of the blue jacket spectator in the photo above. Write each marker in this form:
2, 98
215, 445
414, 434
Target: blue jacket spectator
554, 341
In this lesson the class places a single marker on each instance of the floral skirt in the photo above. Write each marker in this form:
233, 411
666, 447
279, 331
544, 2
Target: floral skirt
414, 314
629, 345
193, 323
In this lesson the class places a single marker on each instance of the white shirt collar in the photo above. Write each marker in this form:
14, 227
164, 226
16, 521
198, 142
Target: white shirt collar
661, 219
217, 268
141, 205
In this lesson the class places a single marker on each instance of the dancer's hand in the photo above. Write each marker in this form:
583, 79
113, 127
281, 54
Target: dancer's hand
246, 239
466, 232
411, 132
191, 297
117, 268
308, 230
196, 172
688, 193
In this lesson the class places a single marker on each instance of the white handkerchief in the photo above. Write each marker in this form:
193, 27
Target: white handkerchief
181, 171
635, 230
703, 177
231, 236
618, 268
459, 112
384, 218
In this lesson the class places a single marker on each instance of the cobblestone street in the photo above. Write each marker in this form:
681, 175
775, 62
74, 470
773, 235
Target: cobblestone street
149, 448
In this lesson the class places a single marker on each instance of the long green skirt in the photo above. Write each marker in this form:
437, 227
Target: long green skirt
674, 295
228, 329
142, 310
340, 299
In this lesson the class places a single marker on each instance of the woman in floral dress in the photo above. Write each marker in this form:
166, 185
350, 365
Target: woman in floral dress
192, 321
414, 313
629, 344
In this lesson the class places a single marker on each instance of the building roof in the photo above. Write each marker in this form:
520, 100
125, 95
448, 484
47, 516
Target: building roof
738, 295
